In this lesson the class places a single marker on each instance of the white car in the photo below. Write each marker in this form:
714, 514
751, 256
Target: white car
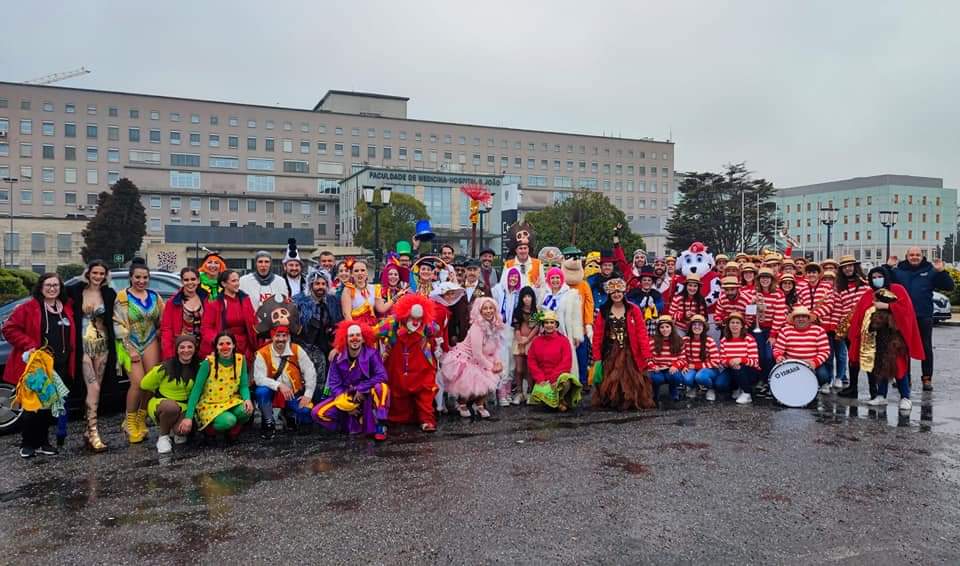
941, 307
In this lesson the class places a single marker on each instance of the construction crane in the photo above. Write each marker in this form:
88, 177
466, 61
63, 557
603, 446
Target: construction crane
57, 77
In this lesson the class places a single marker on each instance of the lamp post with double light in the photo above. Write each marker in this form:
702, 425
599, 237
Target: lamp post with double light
9, 243
828, 217
888, 219
369, 194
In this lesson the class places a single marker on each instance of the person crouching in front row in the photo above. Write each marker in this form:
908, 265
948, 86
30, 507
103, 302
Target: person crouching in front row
805, 342
286, 379
220, 397
667, 358
359, 396
739, 357
701, 360
549, 361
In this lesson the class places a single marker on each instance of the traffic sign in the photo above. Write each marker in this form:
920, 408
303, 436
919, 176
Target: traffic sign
118, 258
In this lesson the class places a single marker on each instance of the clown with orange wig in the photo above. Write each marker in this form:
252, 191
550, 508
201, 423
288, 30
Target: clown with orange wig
359, 394
411, 340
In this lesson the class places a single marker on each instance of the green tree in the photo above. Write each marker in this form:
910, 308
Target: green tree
11, 287
118, 227
949, 250
68, 271
714, 206
587, 220
397, 221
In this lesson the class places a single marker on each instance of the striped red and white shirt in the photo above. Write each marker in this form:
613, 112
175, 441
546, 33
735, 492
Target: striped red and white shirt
664, 358
691, 354
832, 317
743, 350
682, 308
809, 344
819, 298
851, 296
775, 313
724, 306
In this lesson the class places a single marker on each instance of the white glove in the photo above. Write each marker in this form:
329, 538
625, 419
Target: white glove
26, 355
589, 331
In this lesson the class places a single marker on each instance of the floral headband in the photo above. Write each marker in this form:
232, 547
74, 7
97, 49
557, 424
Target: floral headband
615, 284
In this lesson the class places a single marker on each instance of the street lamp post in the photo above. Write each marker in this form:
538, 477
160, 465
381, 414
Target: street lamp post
369, 192
483, 211
888, 219
10, 180
828, 217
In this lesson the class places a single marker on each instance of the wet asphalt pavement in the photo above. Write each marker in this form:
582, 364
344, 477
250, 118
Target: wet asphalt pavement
693, 483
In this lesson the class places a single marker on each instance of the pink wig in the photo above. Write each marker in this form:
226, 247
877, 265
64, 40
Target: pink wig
477, 318
555, 271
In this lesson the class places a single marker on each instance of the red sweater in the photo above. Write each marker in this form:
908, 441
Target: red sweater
691, 354
24, 329
636, 335
808, 344
743, 350
240, 322
549, 356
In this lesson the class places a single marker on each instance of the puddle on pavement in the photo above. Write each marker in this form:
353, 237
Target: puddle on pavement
628, 466
928, 414
344, 505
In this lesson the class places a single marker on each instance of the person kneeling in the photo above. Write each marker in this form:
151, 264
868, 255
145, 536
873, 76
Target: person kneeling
700, 360
739, 357
221, 391
549, 362
286, 379
170, 384
359, 397
805, 342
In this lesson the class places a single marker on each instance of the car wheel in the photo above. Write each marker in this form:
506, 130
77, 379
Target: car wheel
9, 417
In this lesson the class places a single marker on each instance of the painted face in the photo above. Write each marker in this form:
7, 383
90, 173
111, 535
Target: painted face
232, 283
225, 346
190, 282
326, 262
97, 275
393, 277
665, 329
359, 273
293, 269
212, 267
549, 326
140, 279
185, 351
319, 286
263, 265
414, 323
354, 338
280, 340
51, 288
487, 311
735, 325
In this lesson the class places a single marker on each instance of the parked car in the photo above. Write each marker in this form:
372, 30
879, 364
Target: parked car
942, 310
114, 386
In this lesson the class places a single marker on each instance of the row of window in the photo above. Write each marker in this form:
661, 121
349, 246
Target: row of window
38, 242
49, 197
70, 174
869, 218
923, 201
155, 202
155, 226
48, 152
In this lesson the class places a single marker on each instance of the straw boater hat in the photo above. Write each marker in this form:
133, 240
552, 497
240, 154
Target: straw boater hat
830, 273
764, 271
736, 314
548, 315
730, 282
848, 260
772, 257
749, 267
812, 267
788, 277
665, 319
798, 311
718, 257
697, 318
740, 255
693, 277
788, 261
829, 262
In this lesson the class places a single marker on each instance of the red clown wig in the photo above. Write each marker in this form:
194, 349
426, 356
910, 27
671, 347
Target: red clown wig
340, 338
405, 305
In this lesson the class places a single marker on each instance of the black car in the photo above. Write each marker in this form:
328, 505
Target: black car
114, 386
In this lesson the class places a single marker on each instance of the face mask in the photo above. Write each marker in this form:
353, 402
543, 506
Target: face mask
877, 282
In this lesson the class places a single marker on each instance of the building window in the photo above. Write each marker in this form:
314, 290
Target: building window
26, 196
252, 143
402, 153
38, 243
213, 140
438, 204
26, 172
184, 160
387, 153
287, 207
355, 150
536, 181
214, 205
251, 205
371, 152
70, 175
92, 154
338, 149
184, 180
563, 182
133, 134
174, 138
233, 121
233, 205
48, 175
93, 177
112, 177
261, 184
418, 154
296, 167
92, 131
268, 144
148, 157
70, 198
287, 146
46, 151
155, 201
154, 136
224, 162
26, 127
259, 164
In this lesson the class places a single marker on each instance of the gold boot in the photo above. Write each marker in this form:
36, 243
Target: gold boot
134, 435
142, 422
92, 435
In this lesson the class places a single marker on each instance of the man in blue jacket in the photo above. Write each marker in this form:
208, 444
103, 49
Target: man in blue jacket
921, 277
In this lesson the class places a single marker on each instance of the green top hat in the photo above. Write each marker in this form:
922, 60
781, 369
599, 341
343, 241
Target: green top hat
404, 248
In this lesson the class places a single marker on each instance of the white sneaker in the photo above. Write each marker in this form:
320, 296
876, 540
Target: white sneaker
711, 395
505, 402
837, 383
517, 398
463, 410
906, 404
825, 388
482, 411
691, 392
178, 439
736, 393
877, 401
163, 444
744, 399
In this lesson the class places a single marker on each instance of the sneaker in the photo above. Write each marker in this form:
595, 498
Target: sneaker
735, 394
268, 431
505, 402
47, 450
906, 405
927, 383
517, 398
877, 401
179, 439
837, 383
164, 446
711, 395
463, 410
744, 399
27, 452
825, 388
381, 433
482, 411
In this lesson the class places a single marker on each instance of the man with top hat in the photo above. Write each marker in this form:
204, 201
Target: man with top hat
359, 397
261, 283
648, 299
472, 283
286, 379
405, 259
488, 274
210, 268
803, 341
293, 269
598, 280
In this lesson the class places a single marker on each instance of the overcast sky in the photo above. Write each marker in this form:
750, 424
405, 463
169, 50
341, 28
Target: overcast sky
802, 91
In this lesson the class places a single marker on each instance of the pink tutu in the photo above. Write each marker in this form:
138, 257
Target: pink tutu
463, 378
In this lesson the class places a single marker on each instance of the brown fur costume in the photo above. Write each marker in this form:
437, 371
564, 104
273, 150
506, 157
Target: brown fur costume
890, 344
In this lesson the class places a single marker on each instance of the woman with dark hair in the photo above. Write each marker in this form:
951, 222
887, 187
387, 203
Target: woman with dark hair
136, 323
525, 328
169, 385
851, 285
183, 313
393, 285
220, 395
93, 301
667, 362
687, 304
46, 321
232, 312
701, 361
788, 286
621, 347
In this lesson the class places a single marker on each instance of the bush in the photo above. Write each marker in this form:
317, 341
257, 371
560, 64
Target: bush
955, 294
28, 277
69, 270
11, 287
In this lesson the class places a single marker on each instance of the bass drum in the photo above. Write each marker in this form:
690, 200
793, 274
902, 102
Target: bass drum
793, 383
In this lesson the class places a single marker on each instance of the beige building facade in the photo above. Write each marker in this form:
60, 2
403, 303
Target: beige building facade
210, 164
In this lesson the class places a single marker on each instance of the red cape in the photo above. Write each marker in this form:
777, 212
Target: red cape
903, 316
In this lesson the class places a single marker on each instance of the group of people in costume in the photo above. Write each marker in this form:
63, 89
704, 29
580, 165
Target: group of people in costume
337, 345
